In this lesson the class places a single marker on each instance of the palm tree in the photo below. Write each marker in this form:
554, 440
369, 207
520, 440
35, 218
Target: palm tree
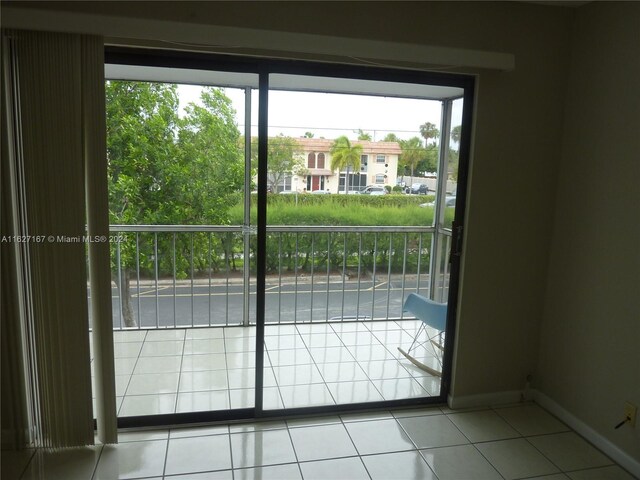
345, 156
429, 131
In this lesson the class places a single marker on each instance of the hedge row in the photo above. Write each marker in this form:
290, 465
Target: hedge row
291, 252
341, 200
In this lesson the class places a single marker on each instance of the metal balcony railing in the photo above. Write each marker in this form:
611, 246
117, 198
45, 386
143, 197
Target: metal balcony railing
191, 276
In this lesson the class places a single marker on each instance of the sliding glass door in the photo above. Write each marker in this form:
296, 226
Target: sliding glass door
270, 220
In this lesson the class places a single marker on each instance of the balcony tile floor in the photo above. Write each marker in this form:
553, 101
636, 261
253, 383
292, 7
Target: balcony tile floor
510, 442
196, 369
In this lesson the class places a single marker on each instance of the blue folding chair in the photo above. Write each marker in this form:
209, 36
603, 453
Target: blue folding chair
434, 315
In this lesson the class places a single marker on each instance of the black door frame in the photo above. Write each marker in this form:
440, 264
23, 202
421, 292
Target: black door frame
263, 68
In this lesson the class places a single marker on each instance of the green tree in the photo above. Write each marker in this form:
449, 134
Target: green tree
412, 153
391, 137
141, 122
308, 135
209, 165
455, 133
429, 163
284, 159
454, 153
362, 135
344, 156
166, 170
429, 132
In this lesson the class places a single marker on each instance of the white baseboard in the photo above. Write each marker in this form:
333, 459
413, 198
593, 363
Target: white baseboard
484, 399
609, 448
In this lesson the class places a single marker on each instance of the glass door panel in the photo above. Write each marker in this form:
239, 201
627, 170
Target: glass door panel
352, 181
179, 190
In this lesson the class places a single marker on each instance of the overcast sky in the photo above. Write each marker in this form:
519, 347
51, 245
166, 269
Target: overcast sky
330, 115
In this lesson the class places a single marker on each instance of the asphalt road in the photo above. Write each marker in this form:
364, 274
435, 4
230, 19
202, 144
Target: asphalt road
187, 305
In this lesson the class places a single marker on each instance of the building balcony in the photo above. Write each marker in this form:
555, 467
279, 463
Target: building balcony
333, 319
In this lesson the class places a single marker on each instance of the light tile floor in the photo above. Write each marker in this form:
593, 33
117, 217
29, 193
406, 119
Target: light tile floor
511, 442
196, 369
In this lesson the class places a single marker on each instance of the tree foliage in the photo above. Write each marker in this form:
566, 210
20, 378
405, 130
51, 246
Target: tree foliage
362, 135
284, 159
209, 166
455, 133
141, 122
391, 137
164, 169
429, 132
412, 153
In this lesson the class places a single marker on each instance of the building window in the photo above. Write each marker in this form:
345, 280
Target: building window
380, 158
311, 160
380, 178
357, 181
285, 183
320, 163
364, 159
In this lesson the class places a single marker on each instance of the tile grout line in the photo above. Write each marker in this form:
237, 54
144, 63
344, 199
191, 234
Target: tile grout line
175, 405
166, 455
124, 395
542, 453
95, 467
358, 362
266, 352
308, 350
226, 369
233, 475
293, 447
476, 449
397, 360
354, 445
31, 457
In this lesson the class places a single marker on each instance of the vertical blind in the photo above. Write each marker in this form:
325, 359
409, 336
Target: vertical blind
57, 89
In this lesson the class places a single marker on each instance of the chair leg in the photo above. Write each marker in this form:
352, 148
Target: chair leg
420, 365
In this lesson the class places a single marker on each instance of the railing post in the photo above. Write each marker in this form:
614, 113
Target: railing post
246, 233
120, 280
441, 190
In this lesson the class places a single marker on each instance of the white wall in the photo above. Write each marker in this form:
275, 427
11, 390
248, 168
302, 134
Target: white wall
589, 360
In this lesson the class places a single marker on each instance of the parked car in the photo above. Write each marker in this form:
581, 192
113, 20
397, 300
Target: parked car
419, 189
321, 192
374, 190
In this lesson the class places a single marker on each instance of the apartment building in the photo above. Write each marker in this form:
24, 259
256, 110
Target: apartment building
378, 166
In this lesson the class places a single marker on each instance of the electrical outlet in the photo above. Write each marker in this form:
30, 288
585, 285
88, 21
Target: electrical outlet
630, 412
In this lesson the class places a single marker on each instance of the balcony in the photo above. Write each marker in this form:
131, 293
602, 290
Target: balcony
334, 317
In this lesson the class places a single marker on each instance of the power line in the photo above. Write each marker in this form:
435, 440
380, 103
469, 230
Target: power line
389, 130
